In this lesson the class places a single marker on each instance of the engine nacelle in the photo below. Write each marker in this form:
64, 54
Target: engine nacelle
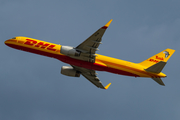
69, 71
70, 51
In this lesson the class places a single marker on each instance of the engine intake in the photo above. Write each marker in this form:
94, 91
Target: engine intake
69, 71
70, 51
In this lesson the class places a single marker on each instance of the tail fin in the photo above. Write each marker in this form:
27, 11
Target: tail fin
162, 56
157, 62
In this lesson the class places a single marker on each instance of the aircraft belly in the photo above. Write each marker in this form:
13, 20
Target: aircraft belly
84, 64
96, 66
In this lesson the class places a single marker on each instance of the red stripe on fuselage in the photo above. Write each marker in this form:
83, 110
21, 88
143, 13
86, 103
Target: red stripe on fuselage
73, 61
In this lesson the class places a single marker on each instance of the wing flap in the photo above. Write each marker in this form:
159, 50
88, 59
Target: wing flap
94, 80
91, 76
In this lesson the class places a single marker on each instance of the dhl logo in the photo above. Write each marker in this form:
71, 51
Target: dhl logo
40, 44
153, 60
158, 58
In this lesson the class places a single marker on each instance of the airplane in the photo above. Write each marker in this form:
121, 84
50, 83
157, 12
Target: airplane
84, 60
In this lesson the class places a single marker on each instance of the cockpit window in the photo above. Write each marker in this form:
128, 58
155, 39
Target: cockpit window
13, 38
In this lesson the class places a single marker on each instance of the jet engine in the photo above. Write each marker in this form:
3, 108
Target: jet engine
69, 71
70, 51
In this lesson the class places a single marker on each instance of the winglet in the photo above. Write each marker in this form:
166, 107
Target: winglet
107, 86
107, 25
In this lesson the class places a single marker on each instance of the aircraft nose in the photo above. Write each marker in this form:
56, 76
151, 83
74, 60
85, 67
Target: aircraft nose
10, 42
5, 42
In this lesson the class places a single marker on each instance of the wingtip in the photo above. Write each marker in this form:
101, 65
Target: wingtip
107, 86
107, 25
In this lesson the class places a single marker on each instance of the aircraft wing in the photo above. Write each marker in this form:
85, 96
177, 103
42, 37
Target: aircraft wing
91, 76
91, 44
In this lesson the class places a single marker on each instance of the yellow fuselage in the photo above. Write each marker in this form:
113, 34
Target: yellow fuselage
102, 63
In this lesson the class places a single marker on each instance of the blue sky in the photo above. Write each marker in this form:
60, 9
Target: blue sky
31, 86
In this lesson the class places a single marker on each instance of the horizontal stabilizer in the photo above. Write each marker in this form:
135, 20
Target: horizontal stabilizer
156, 68
159, 81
